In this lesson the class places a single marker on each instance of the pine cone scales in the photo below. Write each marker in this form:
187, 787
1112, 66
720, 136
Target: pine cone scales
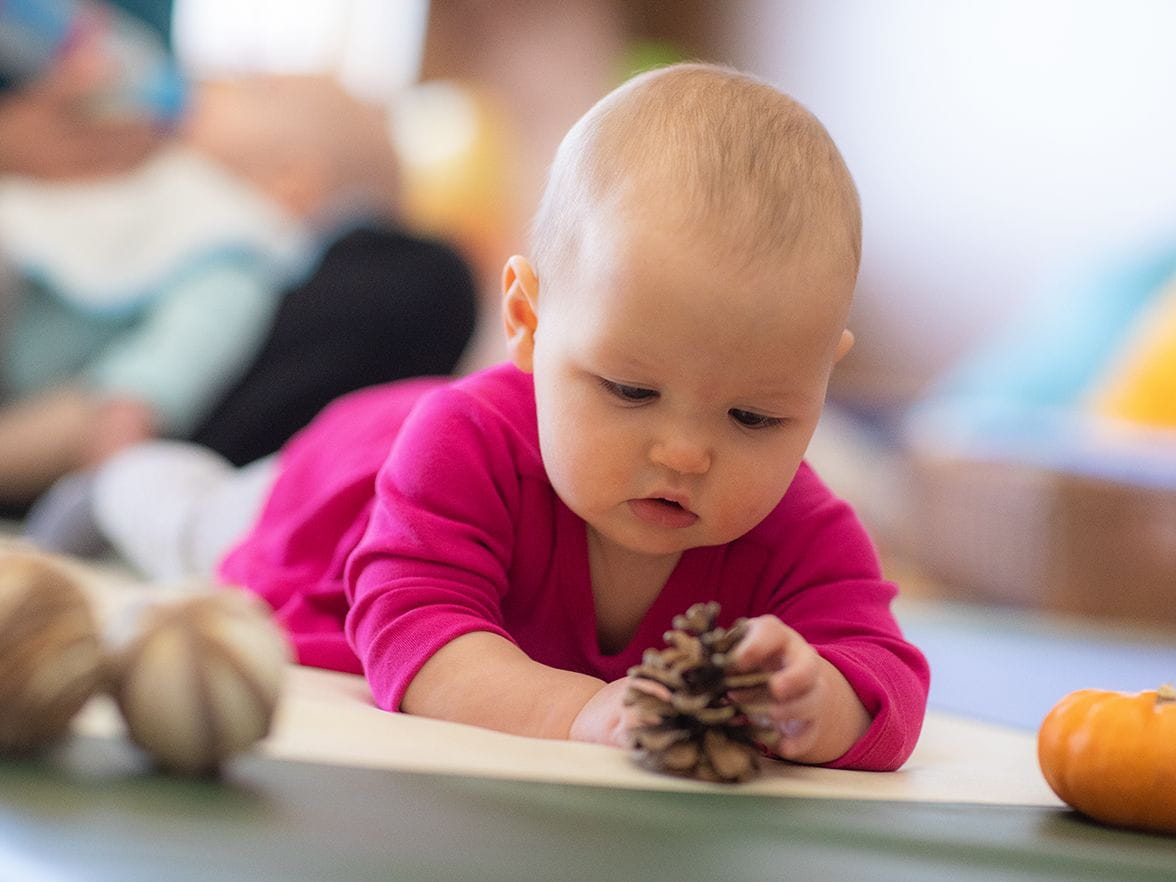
695, 728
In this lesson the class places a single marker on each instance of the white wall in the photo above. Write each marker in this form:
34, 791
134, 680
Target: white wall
994, 143
374, 46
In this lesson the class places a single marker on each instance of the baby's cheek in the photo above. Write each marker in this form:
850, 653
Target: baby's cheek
608, 454
586, 467
742, 504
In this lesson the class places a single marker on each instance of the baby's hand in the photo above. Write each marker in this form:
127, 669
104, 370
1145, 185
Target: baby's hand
806, 699
606, 719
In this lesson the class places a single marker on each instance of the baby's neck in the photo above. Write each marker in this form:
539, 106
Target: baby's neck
624, 586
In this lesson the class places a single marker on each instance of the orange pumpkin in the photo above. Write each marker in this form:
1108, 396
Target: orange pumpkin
1112, 756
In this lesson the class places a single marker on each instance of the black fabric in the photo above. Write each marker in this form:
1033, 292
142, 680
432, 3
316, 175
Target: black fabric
382, 305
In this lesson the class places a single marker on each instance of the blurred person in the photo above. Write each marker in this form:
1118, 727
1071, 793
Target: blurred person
244, 378
137, 299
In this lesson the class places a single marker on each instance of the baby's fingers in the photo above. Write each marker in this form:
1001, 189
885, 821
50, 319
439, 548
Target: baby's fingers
797, 737
791, 722
764, 644
796, 679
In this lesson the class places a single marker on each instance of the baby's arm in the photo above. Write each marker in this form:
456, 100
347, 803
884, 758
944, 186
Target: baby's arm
809, 701
429, 579
485, 680
826, 597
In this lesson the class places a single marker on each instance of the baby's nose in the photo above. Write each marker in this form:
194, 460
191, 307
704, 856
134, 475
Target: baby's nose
684, 455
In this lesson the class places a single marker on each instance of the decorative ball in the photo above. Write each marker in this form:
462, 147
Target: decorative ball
1112, 756
200, 681
51, 654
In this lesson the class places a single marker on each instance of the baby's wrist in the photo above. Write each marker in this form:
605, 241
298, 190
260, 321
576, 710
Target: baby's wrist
601, 718
843, 719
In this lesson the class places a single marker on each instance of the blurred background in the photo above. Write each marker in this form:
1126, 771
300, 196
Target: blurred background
995, 147
1005, 422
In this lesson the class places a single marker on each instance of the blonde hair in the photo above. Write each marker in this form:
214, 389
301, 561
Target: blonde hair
730, 153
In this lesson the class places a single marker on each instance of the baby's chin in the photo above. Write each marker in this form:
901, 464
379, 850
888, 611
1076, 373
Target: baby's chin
638, 542
642, 539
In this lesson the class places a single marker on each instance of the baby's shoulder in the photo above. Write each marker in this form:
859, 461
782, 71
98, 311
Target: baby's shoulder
501, 394
494, 407
502, 389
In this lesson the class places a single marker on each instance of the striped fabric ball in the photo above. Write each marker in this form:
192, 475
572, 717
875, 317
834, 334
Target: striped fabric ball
51, 653
201, 679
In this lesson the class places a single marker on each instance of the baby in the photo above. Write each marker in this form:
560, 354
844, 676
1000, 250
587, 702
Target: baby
498, 550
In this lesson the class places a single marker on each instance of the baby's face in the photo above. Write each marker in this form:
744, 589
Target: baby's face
677, 390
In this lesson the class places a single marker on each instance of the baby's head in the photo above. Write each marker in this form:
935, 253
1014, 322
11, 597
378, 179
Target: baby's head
702, 151
693, 262
303, 140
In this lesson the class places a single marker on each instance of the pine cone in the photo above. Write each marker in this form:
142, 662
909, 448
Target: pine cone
701, 731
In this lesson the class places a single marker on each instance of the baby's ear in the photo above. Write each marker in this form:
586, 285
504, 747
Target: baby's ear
520, 301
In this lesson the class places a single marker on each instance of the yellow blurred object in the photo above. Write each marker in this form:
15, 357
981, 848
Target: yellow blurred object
453, 145
1141, 387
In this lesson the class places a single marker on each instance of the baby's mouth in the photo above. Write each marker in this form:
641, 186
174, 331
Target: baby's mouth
663, 512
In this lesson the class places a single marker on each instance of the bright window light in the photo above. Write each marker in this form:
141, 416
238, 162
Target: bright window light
373, 46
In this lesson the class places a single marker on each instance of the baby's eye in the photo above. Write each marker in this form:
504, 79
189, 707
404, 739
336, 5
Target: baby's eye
754, 420
627, 393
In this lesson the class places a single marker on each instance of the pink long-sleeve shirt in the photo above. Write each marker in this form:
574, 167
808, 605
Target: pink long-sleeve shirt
409, 514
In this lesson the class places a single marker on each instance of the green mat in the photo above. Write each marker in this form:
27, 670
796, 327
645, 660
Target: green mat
92, 811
